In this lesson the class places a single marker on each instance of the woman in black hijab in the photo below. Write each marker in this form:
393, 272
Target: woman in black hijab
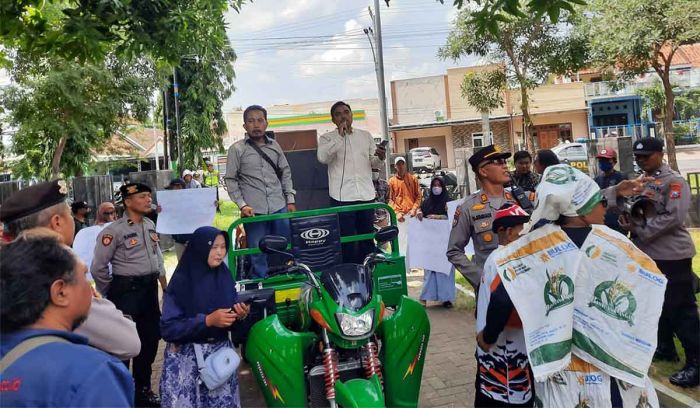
437, 286
199, 308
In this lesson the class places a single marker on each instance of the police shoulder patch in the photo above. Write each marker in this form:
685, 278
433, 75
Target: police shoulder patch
675, 191
107, 239
508, 196
458, 212
154, 236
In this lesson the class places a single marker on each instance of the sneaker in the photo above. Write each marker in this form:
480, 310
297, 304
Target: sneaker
688, 376
447, 305
146, 398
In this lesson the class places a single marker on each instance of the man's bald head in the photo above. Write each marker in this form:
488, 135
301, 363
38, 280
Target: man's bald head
106, 212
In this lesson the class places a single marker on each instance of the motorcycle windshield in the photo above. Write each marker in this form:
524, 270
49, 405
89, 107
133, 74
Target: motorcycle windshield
350, 285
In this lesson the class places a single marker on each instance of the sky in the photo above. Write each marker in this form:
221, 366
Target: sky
299, 51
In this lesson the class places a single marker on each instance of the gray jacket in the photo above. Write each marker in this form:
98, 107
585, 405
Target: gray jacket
665, 236
109, 330
473, 219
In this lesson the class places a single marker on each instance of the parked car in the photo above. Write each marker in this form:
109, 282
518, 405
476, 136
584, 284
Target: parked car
573, 154
425, 158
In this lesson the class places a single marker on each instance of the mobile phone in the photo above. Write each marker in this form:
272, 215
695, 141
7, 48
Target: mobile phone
384, 143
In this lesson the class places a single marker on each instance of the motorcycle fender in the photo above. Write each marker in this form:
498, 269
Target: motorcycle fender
276, 357
405, 342
359, 393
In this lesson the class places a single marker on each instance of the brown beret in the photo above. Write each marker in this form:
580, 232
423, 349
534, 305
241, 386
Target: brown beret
33, 199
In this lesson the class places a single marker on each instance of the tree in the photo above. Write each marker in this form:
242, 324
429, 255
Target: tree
487, 14
43, 40
630, 36
64, 110
530, 48
91, 30
484, 91
204, 84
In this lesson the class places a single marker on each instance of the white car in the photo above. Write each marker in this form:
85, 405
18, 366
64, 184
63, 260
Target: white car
573, 154
426, 158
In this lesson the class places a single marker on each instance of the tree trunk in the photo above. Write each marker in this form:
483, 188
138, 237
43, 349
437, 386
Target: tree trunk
668, 121
57, 154
527, 128
485, 128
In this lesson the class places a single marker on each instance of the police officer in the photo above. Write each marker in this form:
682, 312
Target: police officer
473, 219
130, 244
667, 241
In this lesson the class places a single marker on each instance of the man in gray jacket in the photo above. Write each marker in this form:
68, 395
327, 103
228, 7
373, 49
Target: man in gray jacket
44, 205
259, 180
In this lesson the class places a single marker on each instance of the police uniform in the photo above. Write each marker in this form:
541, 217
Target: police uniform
667, 241
133, 250
473, 220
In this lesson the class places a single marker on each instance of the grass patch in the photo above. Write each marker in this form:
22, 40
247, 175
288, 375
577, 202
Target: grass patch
463, 301
229, 213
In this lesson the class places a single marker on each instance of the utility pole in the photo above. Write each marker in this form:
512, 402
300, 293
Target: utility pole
379, 69
166, 132
176, 93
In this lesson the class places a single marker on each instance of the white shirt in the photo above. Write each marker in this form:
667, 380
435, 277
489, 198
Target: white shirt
350, 160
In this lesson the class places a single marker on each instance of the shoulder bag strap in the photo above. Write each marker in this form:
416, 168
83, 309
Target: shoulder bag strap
25, 347
267, 158
199, 354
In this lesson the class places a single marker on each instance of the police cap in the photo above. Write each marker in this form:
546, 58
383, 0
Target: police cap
648, 145
33, 199
489, 152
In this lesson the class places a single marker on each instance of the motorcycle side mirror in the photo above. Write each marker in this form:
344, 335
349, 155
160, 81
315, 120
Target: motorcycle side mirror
273, 244
387, 234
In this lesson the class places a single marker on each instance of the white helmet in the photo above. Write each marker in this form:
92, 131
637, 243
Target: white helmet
186, 173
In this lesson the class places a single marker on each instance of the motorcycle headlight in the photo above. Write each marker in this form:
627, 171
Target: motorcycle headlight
355, 325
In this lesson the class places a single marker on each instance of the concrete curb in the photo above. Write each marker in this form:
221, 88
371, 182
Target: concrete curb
671, 398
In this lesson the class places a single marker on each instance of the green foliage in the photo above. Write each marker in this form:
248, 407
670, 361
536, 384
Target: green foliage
91, 30
80, 104
531, 47
688, 104
633, 35
203, 85
103, 56
484, 89
653, 99
487, 14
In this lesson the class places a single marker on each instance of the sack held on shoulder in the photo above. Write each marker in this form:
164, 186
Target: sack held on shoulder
218, 367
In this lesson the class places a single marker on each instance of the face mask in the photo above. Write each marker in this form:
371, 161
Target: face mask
605, 166
437, 190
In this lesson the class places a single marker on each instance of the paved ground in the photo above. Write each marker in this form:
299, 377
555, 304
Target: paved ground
448, 376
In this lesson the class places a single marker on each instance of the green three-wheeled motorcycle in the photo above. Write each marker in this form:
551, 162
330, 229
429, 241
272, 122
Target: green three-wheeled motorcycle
325, 333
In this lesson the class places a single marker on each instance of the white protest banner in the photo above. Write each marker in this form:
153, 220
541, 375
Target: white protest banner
427, 244
183, 211
451, 208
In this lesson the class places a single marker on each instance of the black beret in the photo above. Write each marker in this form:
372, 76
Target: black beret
77, 205
648, 145
489, 152
176, 182
133, 188
33, 199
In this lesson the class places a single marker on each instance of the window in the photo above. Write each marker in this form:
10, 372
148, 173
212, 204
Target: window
478, 139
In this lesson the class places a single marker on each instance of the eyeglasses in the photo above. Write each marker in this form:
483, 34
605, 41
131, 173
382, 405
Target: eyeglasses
108, 213
500, 162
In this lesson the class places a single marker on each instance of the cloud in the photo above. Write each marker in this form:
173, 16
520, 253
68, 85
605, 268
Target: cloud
348, 51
